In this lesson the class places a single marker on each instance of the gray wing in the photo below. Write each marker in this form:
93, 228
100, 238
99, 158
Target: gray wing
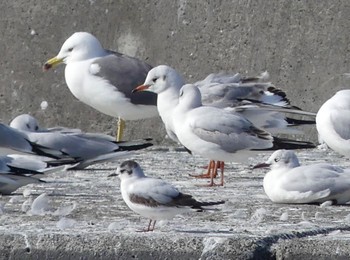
72, 145
231, 131
153, 192
341, 123
125, 73
239, 94
318, 179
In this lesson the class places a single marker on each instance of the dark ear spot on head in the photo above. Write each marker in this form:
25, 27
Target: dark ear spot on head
28, 126
164, 77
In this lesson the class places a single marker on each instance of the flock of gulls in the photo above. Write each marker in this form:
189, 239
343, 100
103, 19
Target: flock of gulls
223, 118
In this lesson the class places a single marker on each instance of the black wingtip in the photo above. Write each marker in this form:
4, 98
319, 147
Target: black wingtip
296, 122
287, 144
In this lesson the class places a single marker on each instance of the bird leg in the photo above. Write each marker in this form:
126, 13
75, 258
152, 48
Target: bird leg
120, 130
154, 223
208, 174
149, 227
217, 165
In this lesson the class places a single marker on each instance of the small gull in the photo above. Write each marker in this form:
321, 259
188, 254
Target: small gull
219, 135
289, 182
333, 122
104, 79
243, 95
87, 149
154, 198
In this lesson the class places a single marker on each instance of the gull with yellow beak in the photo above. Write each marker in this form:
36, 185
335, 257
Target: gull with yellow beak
104, 79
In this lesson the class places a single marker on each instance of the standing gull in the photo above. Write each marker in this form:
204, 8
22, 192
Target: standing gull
154, 198
220, 135
104, 79
333, 122
244, 95
288, 182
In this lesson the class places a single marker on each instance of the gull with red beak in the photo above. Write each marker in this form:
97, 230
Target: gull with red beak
104, 79
252, 97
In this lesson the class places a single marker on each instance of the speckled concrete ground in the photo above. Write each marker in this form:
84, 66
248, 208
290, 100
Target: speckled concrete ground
86, 217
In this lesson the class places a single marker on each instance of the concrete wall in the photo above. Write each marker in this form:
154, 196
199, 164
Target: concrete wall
303, 44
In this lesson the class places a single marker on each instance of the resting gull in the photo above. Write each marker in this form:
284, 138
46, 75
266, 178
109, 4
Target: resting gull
86, 149
289, 182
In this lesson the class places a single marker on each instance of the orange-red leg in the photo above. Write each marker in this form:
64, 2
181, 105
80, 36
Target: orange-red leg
209, 173
217, 165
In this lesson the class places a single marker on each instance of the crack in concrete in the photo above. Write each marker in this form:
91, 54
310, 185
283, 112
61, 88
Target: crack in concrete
263, 251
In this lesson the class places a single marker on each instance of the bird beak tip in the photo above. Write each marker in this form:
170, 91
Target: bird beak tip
140, 88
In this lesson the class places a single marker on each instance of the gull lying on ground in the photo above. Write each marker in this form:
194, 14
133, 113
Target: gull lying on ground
85, 149
19, 170
15, 141
104, 79
154, 198
288, 182
333, 122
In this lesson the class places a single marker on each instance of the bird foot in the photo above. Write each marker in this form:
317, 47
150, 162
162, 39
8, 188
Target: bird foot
203, 176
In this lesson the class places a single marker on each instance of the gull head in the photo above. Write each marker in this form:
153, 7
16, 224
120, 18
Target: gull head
161, 78
129, 169
279, 159
25, 122
190, 96
80, 46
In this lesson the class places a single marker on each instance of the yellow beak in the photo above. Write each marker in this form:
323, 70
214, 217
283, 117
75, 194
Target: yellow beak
52, 63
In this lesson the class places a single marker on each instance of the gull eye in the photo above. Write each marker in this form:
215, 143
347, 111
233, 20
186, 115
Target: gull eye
70, 49
122, 170
276, 159
36, 128
154, 80
181, 93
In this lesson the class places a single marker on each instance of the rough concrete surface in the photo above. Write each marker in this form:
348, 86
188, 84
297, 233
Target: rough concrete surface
303, 44
86, 218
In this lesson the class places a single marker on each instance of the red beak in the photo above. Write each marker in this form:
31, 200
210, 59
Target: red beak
140, 88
